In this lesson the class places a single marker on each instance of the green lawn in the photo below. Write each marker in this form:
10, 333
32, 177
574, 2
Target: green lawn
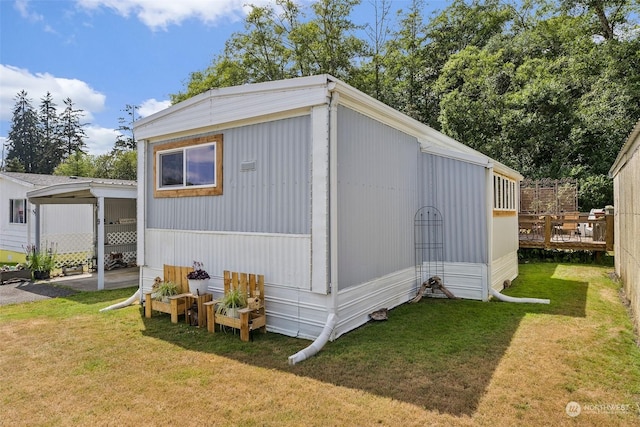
435, 362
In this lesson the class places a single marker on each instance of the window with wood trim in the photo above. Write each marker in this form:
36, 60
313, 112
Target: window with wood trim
18, 211
504, 193
187, 168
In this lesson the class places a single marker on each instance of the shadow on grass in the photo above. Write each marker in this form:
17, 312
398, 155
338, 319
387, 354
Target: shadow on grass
436, 354
45, 290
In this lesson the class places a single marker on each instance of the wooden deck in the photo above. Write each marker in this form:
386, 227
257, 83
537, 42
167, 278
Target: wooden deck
569, 231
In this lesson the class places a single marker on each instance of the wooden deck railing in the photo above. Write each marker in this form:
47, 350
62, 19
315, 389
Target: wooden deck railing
577, 231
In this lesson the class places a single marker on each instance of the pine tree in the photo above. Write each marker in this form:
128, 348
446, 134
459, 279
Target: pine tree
50, 139
14, 165
24, 135
71, 131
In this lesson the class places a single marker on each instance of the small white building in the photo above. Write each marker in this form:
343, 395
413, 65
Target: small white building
343, 203
625, 172
69, 227
112, 214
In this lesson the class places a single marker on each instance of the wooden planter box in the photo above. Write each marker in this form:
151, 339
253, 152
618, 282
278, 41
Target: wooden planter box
70, 271
14, 274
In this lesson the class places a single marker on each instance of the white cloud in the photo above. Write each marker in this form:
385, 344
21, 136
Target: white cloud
22, 6
14, 80
159, 14
100, 140
151, 106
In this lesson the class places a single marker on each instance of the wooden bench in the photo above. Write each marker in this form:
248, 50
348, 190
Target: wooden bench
177, 303
250, 318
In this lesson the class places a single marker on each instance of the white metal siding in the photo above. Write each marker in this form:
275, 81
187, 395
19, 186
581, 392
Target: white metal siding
464, 280
505, 236
273, 198
457, 190
292, 309
504, 268
627, 234
377, 198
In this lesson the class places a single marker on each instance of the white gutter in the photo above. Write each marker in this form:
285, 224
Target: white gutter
506, 298
122, 304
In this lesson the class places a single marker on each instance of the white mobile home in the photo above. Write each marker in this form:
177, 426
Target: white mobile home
625, 172
323, 190
71, 228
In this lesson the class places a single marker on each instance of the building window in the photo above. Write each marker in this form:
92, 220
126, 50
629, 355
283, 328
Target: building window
18, 211
191, 167
504, 193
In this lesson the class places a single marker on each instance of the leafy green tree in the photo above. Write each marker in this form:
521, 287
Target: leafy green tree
605, 17
261, 49
125, 166
276, 46
24, 135
78, 164
71, 130
333, 46
406, 65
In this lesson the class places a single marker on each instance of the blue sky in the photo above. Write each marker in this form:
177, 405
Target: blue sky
105, 54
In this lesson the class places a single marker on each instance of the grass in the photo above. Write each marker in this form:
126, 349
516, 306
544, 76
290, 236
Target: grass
438, 362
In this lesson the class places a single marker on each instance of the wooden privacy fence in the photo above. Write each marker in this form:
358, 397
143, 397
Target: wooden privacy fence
548, 196
571, 230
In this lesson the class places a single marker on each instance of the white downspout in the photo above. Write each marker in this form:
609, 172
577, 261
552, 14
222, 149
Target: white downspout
132, 299
319, 342
332, 319
506, 298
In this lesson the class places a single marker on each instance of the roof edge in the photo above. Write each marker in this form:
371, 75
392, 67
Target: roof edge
626, 152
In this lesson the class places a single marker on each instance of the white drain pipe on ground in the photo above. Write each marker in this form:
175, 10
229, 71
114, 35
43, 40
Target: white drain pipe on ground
506, 298
122, 304
319, 342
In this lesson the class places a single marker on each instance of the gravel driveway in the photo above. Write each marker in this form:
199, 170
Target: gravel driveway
18, 292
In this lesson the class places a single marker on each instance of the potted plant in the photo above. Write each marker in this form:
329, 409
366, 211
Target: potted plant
198, 279
231, 302
40, 261
163, 290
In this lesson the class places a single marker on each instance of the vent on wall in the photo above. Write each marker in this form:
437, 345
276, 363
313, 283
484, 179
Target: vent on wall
247, 166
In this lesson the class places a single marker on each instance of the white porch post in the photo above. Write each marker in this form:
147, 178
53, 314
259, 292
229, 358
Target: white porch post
37, 230
100, 260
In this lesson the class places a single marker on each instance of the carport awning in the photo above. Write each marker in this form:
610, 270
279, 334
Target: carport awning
85, 191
